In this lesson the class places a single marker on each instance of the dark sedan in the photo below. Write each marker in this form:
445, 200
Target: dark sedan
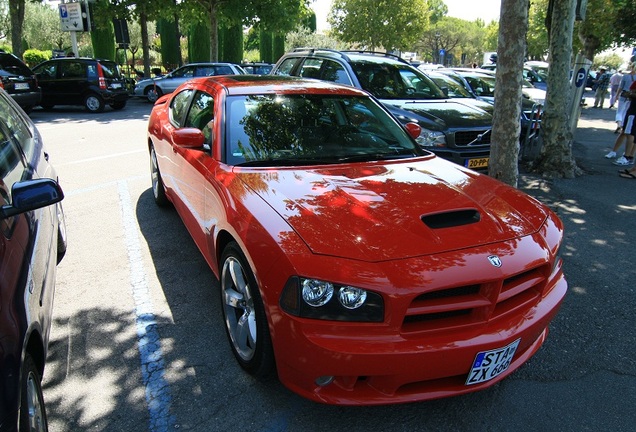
32, 242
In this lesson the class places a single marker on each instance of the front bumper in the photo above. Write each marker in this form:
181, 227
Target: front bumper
427, 344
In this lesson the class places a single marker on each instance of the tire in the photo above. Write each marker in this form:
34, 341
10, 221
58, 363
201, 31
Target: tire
153, 93
244, 315
158, 189
32, 416
118, 105
94, 103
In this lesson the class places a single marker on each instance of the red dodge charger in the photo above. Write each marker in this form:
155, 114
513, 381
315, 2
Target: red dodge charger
362, 268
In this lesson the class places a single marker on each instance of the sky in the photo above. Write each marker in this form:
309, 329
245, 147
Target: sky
470, 10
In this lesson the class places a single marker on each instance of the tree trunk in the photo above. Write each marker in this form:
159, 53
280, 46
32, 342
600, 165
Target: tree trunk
16, 10
556, 159
504, 153
214, 32
145, 42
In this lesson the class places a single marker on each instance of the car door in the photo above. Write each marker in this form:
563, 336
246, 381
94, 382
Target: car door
71, 84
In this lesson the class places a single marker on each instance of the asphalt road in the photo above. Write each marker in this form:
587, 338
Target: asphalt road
138, 342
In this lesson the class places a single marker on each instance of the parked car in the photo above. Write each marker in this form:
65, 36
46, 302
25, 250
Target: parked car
32, 243
154, 88
454, 86
88, 82
19, 81
257, 68
362, 268
482, 85
529, 74
457, 132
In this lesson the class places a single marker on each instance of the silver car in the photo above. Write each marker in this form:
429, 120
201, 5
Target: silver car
153, 88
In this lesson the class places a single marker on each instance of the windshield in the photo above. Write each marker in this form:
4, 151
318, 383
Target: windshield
110, 69
455, 89
288, 130
483, 85
395, 81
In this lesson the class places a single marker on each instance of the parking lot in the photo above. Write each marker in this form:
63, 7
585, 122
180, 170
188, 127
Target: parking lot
138, 342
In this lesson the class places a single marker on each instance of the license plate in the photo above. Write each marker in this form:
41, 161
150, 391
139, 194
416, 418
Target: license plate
477, 163
21, 86
489, 364
115, 86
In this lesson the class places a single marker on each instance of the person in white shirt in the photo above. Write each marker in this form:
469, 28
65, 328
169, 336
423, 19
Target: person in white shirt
623, 102
615, 81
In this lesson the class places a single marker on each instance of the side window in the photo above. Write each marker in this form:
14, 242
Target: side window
201, 115
11, 163
92, 71
47, 71
16, 127
179, 107
72, 70
223, 70
311, 68
184, 72
333, 71
286, 66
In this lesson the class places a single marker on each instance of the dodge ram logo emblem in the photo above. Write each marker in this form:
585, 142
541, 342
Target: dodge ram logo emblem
494, 260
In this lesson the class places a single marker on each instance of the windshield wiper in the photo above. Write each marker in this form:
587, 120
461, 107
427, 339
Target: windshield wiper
286, 162
376, 156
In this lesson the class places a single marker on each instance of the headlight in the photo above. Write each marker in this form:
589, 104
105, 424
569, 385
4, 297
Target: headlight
317, 299
429, 138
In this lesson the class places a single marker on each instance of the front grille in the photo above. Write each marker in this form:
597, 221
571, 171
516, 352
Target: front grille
457, 307
465, 138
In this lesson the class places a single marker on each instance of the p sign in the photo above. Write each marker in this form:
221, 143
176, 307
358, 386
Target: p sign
581, 75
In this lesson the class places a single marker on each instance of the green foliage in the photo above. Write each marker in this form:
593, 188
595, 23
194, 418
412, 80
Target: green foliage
198, 43
233, 44
537, 38
278, 47
387, 24
103, 39
265, 46
41, 28
33, 57
612, 61
463, 41
303, 37
169, 37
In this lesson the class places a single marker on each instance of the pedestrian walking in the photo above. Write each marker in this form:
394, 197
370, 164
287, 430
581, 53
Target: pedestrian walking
628, 130
615, 81
600, 85
623, 102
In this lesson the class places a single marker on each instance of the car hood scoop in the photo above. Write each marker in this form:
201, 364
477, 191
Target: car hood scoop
377, 212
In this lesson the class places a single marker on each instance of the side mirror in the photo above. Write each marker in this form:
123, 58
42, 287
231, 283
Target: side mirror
32, 194
189, 138
413, 129
445, 91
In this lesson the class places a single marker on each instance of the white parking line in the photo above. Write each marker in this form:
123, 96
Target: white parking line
98, 158
158, 395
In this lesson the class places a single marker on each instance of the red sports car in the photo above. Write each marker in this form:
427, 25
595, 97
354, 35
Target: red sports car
362, 268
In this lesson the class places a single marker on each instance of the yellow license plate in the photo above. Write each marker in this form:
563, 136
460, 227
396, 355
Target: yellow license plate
477, 163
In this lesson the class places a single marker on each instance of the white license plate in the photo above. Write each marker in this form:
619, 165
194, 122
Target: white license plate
21, 86
115, 85
489, 364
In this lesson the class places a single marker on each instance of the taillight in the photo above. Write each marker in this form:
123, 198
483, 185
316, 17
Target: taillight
100, 75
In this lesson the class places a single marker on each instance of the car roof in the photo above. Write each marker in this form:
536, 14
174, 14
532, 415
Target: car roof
352, 55
272, 84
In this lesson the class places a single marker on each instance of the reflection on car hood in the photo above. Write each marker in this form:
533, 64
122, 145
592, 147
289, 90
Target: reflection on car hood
375, 212
439, 114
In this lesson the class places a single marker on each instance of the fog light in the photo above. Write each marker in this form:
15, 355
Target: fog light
324, 380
